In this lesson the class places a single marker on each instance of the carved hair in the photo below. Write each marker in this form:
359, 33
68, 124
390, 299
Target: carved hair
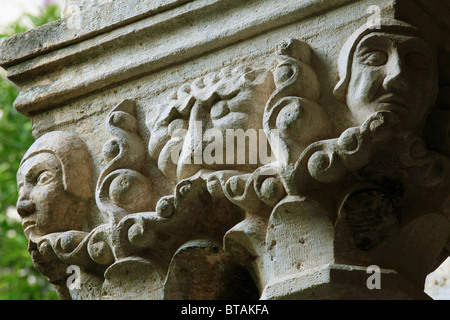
72, 153
225, 84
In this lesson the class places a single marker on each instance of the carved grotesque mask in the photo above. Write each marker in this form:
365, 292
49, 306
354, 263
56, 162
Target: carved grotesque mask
199, 115
392, 72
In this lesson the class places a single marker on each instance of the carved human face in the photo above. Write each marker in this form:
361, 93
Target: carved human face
44, 205
392, 72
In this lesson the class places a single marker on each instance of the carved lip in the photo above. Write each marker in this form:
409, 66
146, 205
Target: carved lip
27, 224
394, 99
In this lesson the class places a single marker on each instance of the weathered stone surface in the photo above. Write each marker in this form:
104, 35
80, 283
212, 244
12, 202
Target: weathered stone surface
215, 149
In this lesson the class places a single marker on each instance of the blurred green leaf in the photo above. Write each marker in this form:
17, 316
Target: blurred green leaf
18, 278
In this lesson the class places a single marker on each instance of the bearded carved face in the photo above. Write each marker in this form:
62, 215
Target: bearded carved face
393, 72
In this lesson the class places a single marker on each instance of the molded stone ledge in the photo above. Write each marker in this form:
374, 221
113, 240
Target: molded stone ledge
73, 29
47, 55
58, 72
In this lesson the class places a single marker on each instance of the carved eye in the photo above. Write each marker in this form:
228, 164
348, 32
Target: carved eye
417, 60
375, 58
45, 178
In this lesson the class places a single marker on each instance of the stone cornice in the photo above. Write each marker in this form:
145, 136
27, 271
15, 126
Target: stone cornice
187, 25
91, 23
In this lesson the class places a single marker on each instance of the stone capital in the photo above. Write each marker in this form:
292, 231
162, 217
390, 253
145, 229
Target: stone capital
218, 149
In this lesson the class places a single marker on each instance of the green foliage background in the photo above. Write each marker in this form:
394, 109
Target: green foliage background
18, 278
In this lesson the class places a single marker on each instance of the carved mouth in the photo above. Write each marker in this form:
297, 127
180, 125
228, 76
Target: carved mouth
28, 224
394, 100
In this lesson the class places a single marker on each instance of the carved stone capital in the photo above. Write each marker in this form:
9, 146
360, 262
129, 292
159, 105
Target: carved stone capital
218, 150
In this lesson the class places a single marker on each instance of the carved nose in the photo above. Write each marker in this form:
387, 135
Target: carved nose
25, 208
396, 83
395, 80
